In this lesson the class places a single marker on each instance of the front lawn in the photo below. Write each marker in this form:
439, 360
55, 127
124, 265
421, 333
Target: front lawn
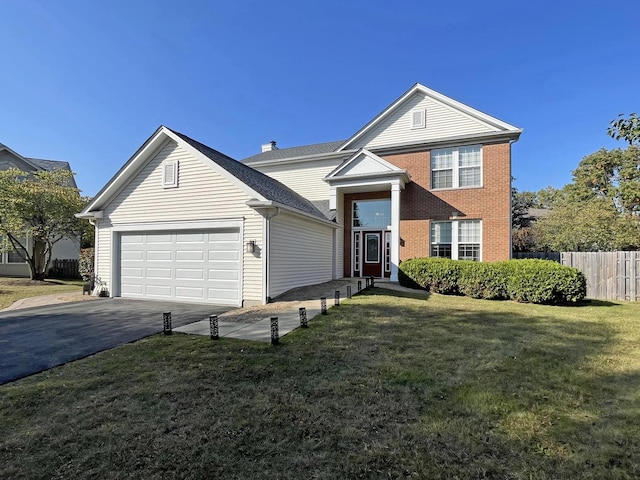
385, 386
12, 289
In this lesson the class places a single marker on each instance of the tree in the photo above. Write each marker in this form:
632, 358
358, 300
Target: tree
37, 210
625, 128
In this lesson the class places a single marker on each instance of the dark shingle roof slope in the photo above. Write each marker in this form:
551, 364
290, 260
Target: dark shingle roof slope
293, 152
268, 187
50, 164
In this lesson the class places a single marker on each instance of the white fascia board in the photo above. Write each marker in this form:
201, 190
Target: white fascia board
461, 107
259, 204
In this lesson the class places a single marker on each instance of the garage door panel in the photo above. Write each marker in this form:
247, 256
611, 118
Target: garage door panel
159, 255
223, 275
189, 274
194, 266
190, 256
162, 239
190, 238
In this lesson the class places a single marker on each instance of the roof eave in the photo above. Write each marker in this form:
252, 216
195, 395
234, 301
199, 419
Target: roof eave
264, 204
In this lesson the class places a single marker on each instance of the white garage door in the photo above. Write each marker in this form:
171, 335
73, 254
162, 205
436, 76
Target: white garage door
202, 266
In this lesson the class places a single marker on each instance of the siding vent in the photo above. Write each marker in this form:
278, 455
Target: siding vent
170, 174
418, 118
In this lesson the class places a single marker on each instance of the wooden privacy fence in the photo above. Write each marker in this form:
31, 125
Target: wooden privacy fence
64, 269
610, 275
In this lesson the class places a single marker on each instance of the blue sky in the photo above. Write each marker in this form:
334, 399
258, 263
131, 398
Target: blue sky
89, 82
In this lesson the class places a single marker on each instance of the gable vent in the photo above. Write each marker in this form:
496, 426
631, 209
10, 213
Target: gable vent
170, 174
418, 118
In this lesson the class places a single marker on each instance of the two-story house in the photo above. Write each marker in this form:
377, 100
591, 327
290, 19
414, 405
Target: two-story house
428, 176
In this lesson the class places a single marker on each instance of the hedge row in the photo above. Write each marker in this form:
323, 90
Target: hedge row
529, 281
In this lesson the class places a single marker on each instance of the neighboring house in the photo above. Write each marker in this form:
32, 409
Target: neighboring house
11, 264
428, 176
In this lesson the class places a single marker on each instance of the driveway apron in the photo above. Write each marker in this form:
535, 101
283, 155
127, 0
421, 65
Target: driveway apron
36, 339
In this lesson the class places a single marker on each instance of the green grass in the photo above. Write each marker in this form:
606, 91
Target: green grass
12, 289
385, 386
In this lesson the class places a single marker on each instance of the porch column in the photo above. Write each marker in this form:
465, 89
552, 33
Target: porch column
395, 230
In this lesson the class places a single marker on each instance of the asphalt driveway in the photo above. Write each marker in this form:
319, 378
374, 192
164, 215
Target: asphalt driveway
36, 339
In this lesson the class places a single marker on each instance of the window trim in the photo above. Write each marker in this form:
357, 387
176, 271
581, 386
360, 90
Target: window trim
455, 241
369, 227
455, 169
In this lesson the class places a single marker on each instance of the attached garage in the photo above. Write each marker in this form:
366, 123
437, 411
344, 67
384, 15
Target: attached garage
201, 266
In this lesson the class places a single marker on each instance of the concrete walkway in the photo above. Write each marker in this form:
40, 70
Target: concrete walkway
288, 319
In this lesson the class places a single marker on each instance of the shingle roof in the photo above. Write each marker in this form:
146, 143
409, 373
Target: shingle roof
49, 164
268, 187
293, 152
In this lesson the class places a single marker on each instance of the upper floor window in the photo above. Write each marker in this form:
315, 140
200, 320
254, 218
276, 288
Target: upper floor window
456, 167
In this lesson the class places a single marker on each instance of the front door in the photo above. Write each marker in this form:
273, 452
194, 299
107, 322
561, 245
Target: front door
372, 264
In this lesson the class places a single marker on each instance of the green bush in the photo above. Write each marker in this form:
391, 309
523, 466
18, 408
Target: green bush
438, 275
532, 281
483, 280
544, 281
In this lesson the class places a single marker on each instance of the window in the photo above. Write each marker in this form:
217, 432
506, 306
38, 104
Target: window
372, 213
456, 167
418, 118
372, 248
459, 240
387, 251
170, 174
10, 255
356, 252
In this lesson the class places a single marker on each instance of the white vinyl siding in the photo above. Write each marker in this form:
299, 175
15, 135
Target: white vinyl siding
301, 253
305, 178
203, 194
442, 122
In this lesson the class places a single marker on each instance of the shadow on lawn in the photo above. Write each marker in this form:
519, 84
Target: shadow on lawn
540, 392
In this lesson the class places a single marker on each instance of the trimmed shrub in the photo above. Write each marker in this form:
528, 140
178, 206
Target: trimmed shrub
544, 281
532, 281
483, 280
438, 275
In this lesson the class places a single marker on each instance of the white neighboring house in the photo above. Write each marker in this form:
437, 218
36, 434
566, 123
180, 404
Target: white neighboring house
428, 176
11, 264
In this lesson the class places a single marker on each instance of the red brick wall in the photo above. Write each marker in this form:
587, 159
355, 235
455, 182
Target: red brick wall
418, 206
489, 203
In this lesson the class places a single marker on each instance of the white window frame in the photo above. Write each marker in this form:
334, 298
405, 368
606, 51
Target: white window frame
456, 168
455, 240
387, 251
170, 181
4, 256
418, 118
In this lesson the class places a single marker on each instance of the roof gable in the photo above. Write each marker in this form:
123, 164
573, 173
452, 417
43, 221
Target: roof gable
10, 159
254, 183
363, 162
443, 118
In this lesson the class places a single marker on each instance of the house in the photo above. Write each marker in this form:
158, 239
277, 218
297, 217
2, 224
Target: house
428, 176
11, 264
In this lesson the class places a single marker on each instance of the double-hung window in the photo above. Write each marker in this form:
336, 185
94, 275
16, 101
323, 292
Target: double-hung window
458, 239
456, 167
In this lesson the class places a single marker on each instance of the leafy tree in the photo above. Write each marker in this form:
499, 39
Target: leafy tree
625, 128
39, 207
